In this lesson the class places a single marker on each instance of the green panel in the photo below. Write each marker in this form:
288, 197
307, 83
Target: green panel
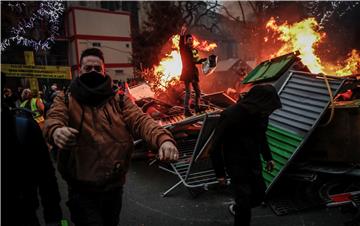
270, 69
283, 144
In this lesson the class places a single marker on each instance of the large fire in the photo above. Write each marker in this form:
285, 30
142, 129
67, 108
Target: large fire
169, 69
305, 37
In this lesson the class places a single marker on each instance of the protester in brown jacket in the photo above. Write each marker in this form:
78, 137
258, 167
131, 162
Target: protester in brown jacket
93, 127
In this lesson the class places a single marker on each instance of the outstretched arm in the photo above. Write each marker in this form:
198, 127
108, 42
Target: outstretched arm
183, 30
182, 37
142, 125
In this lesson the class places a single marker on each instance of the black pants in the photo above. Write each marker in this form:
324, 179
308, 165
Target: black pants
196, 88
242, 204
21, 218
95, 208
249, 190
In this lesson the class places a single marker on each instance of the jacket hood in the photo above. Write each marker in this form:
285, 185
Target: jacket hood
261, 98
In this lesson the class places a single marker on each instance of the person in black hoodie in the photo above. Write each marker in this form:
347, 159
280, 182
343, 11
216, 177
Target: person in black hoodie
239, 139
28, 170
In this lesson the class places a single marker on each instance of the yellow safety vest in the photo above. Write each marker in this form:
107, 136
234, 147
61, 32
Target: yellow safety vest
195, 54
38, 117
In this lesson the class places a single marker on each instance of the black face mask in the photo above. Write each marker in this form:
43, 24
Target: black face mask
91, 88
92, 79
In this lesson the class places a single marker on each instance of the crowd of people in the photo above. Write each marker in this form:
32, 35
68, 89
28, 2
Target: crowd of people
79, 124
20, 96
33, 100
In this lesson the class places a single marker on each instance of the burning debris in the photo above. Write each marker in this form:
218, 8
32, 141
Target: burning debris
167, 108
306, 36
164, 80
299, 49
167, 72
294, 69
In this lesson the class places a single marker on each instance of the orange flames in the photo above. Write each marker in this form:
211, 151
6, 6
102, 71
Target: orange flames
352, 63
305, 37
203, 45
169, 69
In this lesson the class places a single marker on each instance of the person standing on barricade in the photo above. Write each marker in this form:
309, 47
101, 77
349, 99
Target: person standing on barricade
189, 73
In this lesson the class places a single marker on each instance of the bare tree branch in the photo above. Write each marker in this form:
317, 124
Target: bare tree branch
229, 14
253, 7
186, 12
188, 9
209, 28
206, 12
242, 11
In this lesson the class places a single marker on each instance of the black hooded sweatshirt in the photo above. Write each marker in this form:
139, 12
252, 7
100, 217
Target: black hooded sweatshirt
240, 134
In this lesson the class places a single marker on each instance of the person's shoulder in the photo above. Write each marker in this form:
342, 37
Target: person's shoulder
54, 94
235, 111
62, 97
60, 93
22, 116
232, 108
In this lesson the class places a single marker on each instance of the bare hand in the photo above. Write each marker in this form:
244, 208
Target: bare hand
65, 137
270, 165
202, 60
168, 151
183, 30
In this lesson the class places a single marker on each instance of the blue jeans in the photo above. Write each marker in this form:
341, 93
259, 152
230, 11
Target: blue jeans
196, 88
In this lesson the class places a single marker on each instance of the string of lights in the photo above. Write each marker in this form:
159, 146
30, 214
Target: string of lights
49, 11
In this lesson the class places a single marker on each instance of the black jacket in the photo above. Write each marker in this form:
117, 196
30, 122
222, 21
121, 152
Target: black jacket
28, 170
189, 71
240, 139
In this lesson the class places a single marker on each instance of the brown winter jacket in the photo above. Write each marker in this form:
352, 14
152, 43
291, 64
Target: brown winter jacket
101, 157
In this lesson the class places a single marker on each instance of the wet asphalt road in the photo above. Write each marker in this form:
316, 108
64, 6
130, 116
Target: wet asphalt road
143, 205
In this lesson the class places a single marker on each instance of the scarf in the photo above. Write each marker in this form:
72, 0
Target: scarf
92, 89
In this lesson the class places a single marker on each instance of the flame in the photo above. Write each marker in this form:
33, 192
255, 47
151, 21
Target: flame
352, 64
302, 37
169, 69
305, 37
203, 45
